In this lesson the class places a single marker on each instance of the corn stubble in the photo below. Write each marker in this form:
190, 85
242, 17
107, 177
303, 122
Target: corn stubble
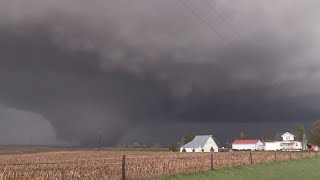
107, 164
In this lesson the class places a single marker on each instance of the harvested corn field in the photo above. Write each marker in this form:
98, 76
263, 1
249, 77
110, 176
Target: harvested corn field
108, 164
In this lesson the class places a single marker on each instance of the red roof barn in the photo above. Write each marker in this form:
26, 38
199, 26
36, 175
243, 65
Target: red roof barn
249, 144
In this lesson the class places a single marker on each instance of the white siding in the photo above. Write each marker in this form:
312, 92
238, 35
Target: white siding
291, 145
258, 146
244, 146
210, 143
272, 146
287, 137
283, 145
191, 149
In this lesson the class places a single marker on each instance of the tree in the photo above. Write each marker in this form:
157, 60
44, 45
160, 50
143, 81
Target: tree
314, 133
187, 138
173, 148
136, 145
211, 149
300, 132
266, 136
228, 144
243, 136
156, 146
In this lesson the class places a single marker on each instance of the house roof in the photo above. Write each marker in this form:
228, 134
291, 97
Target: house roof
198, 141
278, 136
248, 141
287, 133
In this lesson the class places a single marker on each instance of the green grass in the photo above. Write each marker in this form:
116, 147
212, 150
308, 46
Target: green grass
308, 168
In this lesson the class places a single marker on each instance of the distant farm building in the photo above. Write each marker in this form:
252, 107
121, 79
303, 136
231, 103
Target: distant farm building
312, 147
252, 145
200, 144
284, 142
272, 146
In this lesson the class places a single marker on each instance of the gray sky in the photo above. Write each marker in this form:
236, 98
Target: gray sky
127, 63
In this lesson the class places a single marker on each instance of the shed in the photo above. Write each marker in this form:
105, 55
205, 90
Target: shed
250, 144
312, 147
204, 143
273, 146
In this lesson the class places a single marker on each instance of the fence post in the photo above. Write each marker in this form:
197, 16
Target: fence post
211, 162
275, 156
123, 167
290, 154
250, 157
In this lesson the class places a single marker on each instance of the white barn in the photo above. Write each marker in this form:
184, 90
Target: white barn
200, 144
253, 145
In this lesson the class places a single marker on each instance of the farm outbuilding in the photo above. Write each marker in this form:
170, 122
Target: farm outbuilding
312, 147
203, 143
273, 146
252, 145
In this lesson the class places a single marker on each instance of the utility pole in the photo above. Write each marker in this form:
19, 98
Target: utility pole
99, 136
30, 144
304, 143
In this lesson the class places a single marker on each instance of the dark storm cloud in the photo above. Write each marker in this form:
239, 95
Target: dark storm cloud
77, 63
70, 90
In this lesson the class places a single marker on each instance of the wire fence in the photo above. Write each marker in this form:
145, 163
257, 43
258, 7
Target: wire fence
137, 167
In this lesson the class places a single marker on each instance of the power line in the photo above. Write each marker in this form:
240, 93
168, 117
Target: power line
217, 9
206, 6
220, 16
203, 20
234, 28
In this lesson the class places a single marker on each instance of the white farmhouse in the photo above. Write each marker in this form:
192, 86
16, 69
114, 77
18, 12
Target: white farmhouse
287, 137
203, 143
285, 142
252, 145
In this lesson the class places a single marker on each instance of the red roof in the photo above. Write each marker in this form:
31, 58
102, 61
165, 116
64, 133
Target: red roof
254, 141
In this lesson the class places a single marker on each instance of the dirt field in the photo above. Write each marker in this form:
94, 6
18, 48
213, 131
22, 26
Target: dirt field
107, 164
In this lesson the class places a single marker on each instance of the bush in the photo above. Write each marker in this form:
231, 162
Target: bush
173, 148
184, 150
